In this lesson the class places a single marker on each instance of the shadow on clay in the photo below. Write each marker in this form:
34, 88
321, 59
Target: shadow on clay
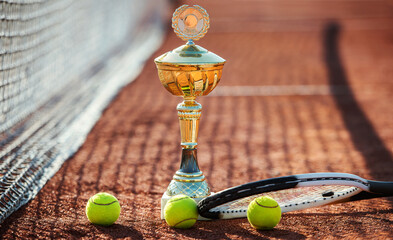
364, 136
119, 231
226, 229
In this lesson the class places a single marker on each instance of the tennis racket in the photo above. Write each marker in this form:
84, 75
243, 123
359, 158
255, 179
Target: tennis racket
295, 192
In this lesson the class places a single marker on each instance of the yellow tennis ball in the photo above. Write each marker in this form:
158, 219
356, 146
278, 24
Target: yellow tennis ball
103, 209
264, 213
181, 212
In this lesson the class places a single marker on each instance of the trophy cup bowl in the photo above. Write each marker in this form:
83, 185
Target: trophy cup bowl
189, 71
196, 77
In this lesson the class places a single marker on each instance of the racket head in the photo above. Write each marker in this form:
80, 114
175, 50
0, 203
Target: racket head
293, 193
292, 199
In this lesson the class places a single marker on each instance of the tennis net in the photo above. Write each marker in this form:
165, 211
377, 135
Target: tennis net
61, 63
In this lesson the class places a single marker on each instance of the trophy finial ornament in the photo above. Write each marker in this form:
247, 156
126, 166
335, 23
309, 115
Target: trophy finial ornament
190, 22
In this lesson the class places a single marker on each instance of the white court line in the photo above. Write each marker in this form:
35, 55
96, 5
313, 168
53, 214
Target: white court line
280, 90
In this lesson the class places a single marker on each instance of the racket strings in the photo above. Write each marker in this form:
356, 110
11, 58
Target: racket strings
294, 198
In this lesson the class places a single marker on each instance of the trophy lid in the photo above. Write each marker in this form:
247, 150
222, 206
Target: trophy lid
190, 23
190, 54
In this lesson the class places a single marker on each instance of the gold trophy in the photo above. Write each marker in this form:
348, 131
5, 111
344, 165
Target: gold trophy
189, 71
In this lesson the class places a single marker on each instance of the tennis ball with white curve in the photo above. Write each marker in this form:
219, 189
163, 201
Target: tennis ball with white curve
181, 211
264, 213
103, 209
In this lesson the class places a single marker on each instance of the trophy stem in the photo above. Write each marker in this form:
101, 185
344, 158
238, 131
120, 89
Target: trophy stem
189, 162
189, 112
189, 180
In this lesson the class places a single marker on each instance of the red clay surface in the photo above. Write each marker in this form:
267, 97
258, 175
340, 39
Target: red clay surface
134, 150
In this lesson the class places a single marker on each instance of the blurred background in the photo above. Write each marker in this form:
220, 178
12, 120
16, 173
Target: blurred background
306, 88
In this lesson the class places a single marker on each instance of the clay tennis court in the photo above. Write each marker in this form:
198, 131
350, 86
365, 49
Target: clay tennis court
338, 53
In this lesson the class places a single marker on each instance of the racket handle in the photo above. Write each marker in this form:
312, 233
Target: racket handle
385, 188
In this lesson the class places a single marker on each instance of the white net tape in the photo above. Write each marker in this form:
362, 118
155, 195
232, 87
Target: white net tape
61, 62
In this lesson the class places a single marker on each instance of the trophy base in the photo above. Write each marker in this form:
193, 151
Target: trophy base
165, 198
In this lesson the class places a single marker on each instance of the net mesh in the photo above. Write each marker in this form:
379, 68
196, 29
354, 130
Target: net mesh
61, 62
